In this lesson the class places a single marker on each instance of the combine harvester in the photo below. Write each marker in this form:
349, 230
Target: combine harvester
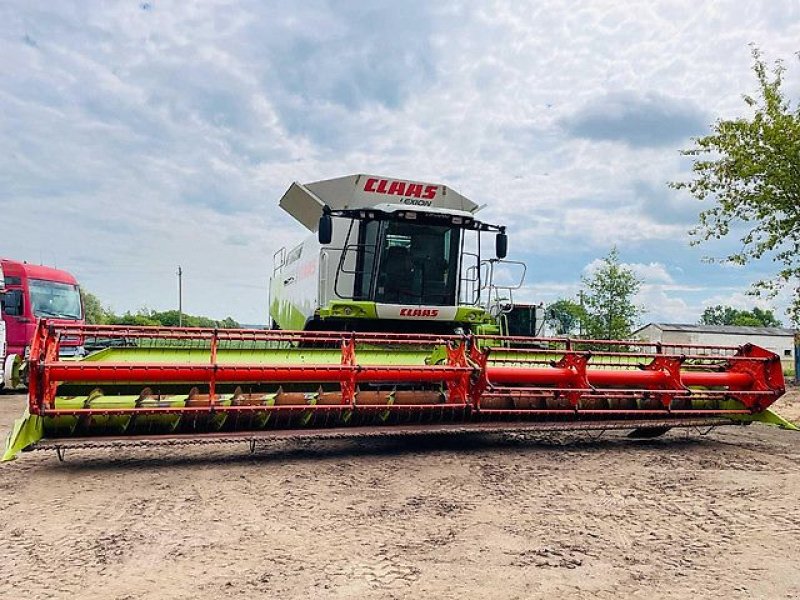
387, 319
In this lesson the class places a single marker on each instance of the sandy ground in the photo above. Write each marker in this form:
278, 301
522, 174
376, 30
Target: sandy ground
685, 516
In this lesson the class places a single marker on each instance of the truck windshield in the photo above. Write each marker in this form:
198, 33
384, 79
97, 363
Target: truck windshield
418, 264
53, 299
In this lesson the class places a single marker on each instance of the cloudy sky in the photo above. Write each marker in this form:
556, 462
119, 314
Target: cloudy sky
140, 135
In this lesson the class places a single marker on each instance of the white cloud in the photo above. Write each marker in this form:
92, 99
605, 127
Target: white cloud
660, 306
137, 140
651, 272
646, 272
605, 228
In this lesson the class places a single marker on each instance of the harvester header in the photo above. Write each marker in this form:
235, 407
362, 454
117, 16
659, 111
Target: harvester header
173, 385
385, 320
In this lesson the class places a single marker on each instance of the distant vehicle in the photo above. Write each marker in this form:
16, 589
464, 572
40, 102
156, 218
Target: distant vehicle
3, 346
3, 351
33, 292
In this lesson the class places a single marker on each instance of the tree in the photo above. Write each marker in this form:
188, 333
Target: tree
93, 310
727, 315
97, 314
567, 315
608, 300
169, 318
229, 323
750, 168
140, 317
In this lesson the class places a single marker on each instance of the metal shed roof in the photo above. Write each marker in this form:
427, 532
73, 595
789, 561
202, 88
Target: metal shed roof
722, 329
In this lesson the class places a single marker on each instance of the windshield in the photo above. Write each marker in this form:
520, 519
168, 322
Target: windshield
418, 264
53, 299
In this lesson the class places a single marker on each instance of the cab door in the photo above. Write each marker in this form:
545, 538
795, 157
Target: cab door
13, 305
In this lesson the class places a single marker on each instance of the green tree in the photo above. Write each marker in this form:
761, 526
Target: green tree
229, 323
141, 317
750, 168
608, 300
727, 315
93, 310
567, 316
169, 318
97, 314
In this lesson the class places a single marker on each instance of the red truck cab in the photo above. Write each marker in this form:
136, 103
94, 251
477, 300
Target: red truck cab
36, 292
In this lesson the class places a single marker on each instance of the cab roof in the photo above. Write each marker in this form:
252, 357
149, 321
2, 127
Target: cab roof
15, 268
306, 201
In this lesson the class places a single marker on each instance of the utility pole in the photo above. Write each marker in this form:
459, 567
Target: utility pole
180, 296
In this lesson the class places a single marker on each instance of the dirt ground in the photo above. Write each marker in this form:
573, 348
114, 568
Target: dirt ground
685, 516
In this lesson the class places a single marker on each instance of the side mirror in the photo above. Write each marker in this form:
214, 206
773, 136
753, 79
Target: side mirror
501, 245
325, 229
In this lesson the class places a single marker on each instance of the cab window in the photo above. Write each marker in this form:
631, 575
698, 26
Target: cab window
418, 264
11, 303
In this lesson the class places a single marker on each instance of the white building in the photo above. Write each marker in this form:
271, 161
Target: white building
779, 340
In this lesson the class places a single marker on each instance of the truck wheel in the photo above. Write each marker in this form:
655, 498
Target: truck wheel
11, 372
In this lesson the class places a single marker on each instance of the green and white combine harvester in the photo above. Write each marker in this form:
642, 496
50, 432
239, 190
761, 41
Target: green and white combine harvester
388, 319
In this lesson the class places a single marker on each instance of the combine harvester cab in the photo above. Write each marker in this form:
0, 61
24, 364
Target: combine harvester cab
386, 320
386, 255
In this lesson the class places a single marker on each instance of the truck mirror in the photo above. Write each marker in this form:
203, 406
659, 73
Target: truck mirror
501, 245
325, 229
